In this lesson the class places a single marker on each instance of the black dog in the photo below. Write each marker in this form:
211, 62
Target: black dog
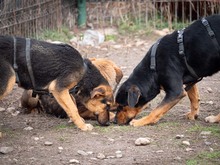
181, 58
42, 66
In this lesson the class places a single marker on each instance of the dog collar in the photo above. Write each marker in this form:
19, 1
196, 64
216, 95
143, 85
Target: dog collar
153, 55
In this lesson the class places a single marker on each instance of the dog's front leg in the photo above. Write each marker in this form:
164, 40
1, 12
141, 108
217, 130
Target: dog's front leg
157, 113
68, 104
193, 95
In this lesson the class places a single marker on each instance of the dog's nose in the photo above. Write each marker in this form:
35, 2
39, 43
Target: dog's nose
107, 124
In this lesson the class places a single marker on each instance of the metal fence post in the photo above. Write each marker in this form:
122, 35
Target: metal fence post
81, 13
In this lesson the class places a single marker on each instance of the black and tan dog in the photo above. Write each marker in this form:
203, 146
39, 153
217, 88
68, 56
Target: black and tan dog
181, 58
109, 70
56, 68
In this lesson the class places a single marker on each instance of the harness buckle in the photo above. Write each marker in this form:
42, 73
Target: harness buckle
205, 22
181, 52
179, 39
211, 34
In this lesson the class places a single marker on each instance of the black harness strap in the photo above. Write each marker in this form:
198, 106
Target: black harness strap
28, 60
36, 91
211, 33
153, 55
15, 66
182, 53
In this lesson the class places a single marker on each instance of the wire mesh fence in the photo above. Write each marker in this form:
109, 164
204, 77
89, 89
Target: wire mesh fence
104, 13
29, 18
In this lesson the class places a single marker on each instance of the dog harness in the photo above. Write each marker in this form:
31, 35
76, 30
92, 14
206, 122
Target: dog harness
15, 66
211, 34
153, 55
36, 91
29, 66
182, 53
28, 61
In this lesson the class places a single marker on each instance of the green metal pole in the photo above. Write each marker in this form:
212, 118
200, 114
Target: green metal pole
81, 13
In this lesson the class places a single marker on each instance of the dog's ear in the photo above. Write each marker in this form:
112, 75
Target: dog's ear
98, 91
133, 96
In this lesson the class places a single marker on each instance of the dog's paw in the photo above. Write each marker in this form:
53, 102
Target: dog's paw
136, 123
87, 127
191, 116
211, 119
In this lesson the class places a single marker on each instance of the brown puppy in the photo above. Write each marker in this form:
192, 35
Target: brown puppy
109, 70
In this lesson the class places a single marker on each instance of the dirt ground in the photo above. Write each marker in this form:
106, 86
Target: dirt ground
113, 144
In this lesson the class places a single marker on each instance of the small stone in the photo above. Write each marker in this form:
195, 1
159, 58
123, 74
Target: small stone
186, 143
89, 152
2, 109
60, 148
10, 109
94, 133
110, 139
179, 136
48, 143
73, 161
209, 90
142, 141
210, 102
36, 138
15, 113
211, 149
28, 128
81, 152
94, 159
159, 151
117, 46
101, 156
6, 150
208, 143
177, 158
205, 133
189, 149
118, 154
0, 134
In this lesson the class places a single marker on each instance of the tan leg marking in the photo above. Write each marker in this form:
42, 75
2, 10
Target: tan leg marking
10, 85
111, 116
68, 104
213, 119
193, 95
156, 114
